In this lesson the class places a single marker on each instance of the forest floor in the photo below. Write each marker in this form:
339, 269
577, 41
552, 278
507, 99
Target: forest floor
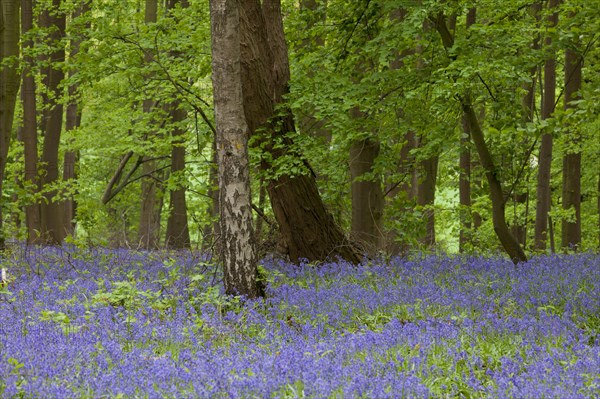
99, 323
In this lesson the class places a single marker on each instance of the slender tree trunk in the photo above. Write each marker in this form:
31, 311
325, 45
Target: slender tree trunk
212, 230
238, 250
306, 226
178, 234
508, 240
403, 189
464, 187
51, 209
426, 169
151, 201
73, 121
520, 197
30, 141
426, 197
9, 87
464, 165
544, 194
367, 195
571, 187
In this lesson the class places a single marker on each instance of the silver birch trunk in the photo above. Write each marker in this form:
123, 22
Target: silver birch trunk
238, 252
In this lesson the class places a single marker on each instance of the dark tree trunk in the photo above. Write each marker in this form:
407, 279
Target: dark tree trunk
306, 226
178, 234
151, 207
426, 197
571, 187
544, 195
52, 228
9, 87
508, 240
367, 195
238, 249
30, 141
151, 201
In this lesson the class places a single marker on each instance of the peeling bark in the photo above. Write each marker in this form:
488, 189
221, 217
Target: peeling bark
238, 251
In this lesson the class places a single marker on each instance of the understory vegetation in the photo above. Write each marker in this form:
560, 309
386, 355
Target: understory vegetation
98, 323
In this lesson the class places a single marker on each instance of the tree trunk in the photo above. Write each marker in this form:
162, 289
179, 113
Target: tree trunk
544, 194
464, 166
521, 198
571, 187
30, 141
426, 169
9, 87
212, 230
52, 230
426, 197
151, 201
403, 189
509, 242
178, 234
367, 195
73, 121
464, 187
306, 226
238, 251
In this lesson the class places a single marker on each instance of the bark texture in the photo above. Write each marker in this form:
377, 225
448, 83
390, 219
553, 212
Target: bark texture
367, 195
178, 234
571, 187
30, 140
9, 86
238, 250
152, 200
306, 226
544, 194
52, 228
426, 197
366, 190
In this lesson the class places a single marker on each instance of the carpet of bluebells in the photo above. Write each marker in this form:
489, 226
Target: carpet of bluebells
99, 323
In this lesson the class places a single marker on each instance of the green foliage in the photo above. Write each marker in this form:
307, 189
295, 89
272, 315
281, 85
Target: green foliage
344, 55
